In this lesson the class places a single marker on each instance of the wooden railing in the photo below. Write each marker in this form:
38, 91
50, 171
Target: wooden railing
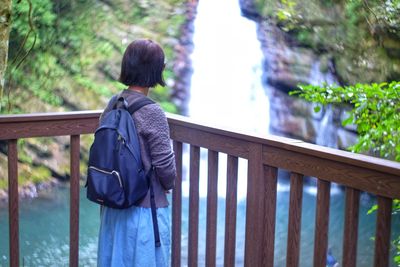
265, 156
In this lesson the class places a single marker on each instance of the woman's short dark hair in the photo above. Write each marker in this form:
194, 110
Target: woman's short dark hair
143, 64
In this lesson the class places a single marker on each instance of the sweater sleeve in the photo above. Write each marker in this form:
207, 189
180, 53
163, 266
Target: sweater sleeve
155, 130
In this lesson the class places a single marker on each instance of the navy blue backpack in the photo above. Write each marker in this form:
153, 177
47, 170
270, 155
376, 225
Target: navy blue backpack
115, 176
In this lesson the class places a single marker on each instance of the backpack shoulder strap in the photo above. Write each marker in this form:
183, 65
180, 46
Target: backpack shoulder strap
139, 103
119, 101
131, 109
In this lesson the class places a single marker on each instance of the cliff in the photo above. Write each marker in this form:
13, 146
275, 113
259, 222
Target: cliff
286, 64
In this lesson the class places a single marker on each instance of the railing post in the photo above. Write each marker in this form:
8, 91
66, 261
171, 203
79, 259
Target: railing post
271, 182
294, 224
322, 222
382, 233
212, 207
194, 206
177, 208
350, 235
74, 202
230, 211
254, 208
13, 202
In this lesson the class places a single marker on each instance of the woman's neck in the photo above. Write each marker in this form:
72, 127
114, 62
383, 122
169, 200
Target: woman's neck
139, 89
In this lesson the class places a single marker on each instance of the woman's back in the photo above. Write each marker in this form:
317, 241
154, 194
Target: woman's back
128, 236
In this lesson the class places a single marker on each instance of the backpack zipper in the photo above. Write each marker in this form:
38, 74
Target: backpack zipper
106, 172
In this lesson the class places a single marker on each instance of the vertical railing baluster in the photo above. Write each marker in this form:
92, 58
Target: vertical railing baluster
74, 201
230, 211
212, 206
350, 235
13, 202
254, 208
294, 224
194, 206
382, 234
271, 180
321, 223
177, 208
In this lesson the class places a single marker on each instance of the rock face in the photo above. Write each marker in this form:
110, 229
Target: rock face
29, 190
286, 65
183, 66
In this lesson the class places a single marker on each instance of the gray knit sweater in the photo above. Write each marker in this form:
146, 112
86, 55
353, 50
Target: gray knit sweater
153, 131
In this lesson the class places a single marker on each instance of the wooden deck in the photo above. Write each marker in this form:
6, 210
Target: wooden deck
265, 155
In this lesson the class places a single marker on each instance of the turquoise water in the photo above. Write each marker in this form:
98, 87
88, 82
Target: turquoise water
44, 229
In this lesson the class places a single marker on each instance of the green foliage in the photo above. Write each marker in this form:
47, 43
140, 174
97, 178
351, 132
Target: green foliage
62, 52
397, 246
3, 183
41, 174
286, 10
395, 207
376, 113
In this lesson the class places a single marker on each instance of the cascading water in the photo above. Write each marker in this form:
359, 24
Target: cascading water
226, 87
327, 131
226, 91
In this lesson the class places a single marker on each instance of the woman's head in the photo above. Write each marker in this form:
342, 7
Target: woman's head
143, 64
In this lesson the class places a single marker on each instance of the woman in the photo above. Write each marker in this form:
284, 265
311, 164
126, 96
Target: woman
126, 236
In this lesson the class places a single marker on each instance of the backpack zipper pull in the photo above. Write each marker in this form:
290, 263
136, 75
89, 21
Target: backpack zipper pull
120, 142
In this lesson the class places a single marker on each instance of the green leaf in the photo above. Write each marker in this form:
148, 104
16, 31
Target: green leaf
347, 121
317, 108
372, 209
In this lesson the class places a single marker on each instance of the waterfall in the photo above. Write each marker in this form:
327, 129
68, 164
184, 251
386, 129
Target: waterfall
327, 130
226, 88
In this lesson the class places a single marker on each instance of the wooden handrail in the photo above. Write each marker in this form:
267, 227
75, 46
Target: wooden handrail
50, 116
374, 175
83, 122
265, 154
289, 144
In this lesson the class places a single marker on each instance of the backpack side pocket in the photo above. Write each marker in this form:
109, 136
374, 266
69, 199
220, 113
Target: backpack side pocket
105, 187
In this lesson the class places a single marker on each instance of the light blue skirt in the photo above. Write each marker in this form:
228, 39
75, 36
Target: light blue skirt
127, 238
